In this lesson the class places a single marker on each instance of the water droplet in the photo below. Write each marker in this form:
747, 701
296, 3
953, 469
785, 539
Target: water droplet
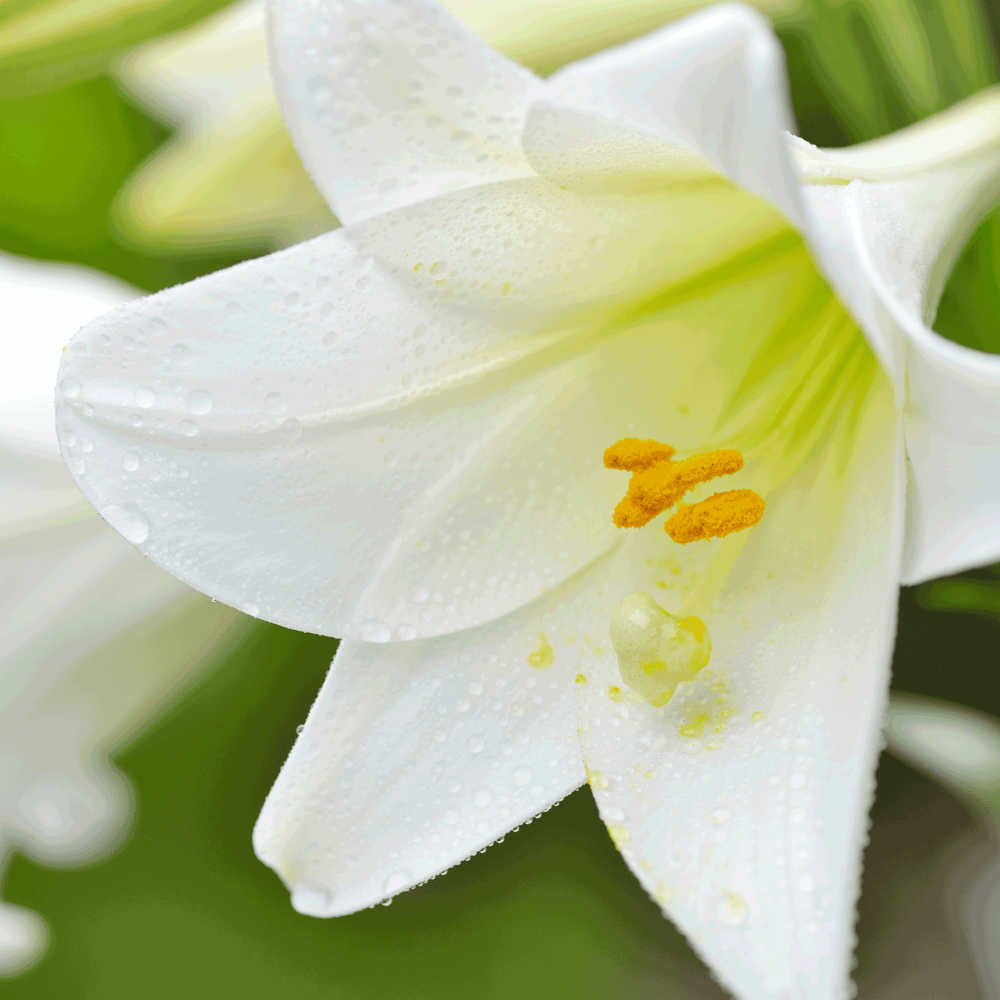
732, 910
232, 308
130, 461
312, 899
181, 353
190, 428
482, 797
249, 608
375, 631
78, 465
614, 815
474, 744
70, 387
292, 299
300, 729
127, 522
79, 347
406, 632
452, 816
720, 816
291, 429
396, 881
522, 775
804, 883
275, 404
199, 402
135, 420
145, 397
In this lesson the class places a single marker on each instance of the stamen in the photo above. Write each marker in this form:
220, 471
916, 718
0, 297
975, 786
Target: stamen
635, 455
658, 483
721, 514
656, 650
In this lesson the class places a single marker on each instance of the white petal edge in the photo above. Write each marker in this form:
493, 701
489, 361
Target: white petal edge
417, 755
390, 104
750, 839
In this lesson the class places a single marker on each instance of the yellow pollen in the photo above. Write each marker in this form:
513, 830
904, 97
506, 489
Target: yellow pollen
721, 514
544, 655
658, 482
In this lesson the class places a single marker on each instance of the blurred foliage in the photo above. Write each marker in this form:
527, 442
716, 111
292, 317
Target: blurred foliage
45, 43
185, 908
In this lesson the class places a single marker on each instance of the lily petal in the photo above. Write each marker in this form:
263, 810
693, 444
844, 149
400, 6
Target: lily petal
712, 84
390, 105
438, 423
741, 806
890, 238
418, 754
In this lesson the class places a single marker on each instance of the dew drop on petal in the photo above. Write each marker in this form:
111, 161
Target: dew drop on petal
70, 387
130, 461
275, 404
249, 608
375, 631
522, 775
190, 428
397, 880
145, 397
199, 402
474, 744
312, 899
482, 797
291, 429
127, 522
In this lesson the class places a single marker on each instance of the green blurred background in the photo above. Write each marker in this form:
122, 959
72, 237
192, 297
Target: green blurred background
184, 908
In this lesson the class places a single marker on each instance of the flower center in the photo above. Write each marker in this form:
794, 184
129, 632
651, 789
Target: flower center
657, 650
658, 482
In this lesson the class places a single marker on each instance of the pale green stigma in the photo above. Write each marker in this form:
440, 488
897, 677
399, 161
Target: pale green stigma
656, 650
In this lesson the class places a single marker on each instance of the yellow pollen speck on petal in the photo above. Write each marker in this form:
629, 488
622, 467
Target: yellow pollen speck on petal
418, 267
663, 893
434, 267
721, 514
694, 727
544, 655
615, 693
757, 717
580, 679
596, 779
619, 835
506, 288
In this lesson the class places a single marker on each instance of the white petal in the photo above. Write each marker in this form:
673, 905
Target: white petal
390, 104
418, 754
94, 641
750, 837
44, 304
952, 743
713, 84
343, 437
23, 937
889, 245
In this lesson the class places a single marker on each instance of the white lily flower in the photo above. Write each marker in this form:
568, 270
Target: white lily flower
393, 434
94, 639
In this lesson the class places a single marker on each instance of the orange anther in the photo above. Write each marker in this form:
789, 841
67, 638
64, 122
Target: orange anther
658, 482
633, 454
721, 514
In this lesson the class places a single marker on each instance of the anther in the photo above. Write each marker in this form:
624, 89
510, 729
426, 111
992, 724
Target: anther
721, 514
658, 483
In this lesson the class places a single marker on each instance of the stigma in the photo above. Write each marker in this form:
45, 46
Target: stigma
659, 481
656, 650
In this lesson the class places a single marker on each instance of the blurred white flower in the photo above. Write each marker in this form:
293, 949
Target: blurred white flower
94, 639
393, 433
